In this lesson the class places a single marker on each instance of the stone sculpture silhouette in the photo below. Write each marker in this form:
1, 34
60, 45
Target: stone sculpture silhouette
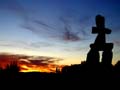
100, 44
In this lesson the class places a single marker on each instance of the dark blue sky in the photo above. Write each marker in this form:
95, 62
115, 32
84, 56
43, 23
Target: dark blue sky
42, 27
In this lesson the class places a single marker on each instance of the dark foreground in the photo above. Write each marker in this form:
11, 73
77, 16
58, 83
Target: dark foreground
76, 74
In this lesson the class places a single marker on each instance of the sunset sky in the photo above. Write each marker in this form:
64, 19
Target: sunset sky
60, 29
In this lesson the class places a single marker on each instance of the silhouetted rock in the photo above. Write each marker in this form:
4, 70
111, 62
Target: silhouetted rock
93, 56
100, 44
107, 56
117, 67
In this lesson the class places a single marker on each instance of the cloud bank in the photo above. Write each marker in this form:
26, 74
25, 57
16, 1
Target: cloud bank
30, 63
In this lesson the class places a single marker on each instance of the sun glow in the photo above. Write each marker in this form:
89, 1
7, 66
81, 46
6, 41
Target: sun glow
34, 68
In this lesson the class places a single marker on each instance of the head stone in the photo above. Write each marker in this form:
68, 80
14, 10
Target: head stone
100, 21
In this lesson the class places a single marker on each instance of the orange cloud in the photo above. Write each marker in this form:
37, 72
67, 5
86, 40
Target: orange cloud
30, 63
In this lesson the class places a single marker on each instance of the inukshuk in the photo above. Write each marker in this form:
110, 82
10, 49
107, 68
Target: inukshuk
100, 44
